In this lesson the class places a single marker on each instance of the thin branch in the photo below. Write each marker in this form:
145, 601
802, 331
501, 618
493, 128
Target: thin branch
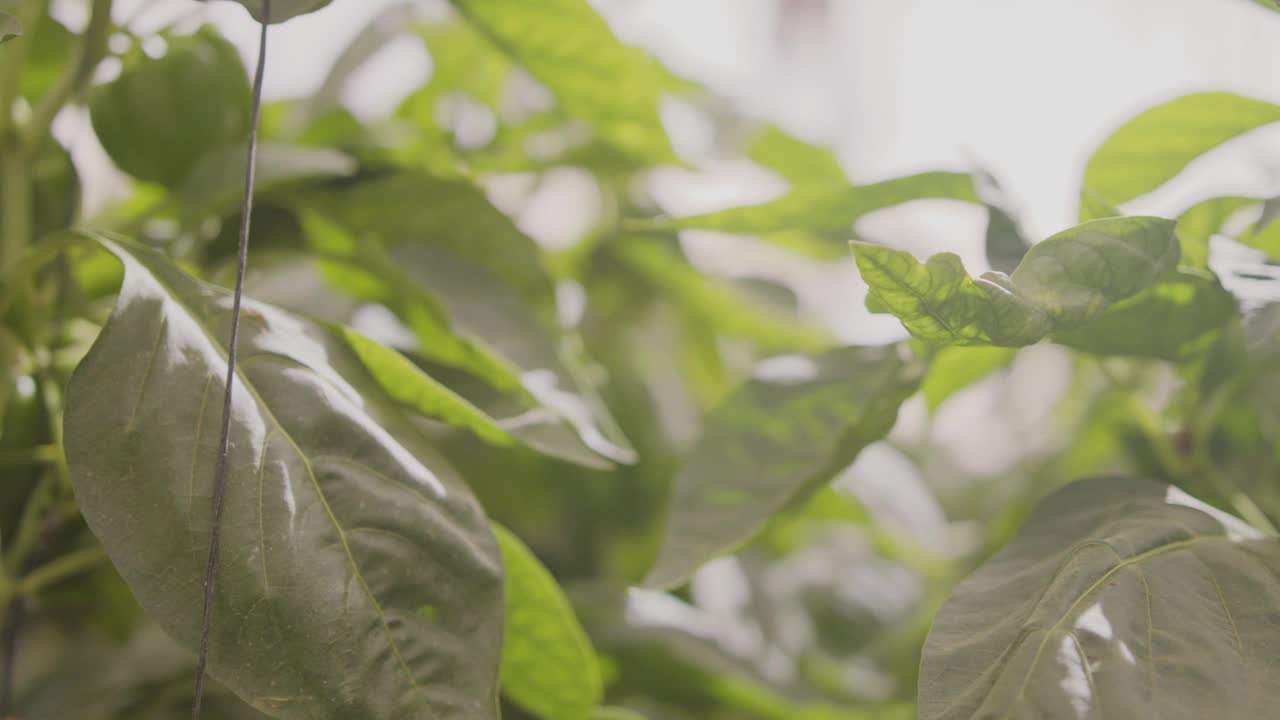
220, 471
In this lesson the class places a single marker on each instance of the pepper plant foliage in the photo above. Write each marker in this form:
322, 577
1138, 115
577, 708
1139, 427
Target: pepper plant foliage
471, 474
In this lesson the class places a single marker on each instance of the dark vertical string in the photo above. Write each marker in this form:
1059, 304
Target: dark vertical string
220, 471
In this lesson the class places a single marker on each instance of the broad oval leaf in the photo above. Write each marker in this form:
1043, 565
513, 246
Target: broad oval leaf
774, 441
1120, 598
1200, 222
358, 576
569, 47
1156, 145
282, 10
548, 665
216, 182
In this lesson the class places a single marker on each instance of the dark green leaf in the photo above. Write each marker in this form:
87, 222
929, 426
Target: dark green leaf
567, 46
773, 442
954, 368
282, 10
50, 47
1120, 598
1061, 283
160, 116
548, 665
1156, 145
1174, 319
1200, 222
1005, 244
359, 577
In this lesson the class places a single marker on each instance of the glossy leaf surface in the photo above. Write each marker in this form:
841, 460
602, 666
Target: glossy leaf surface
1156, 145
567, 46
773, 441
1061, 283
548, 665
1119, 598
358, 576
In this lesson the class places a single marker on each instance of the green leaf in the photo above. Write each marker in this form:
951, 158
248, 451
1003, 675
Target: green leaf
794, 159
216, 183
341, 523
568, 46
160, 116
1174, 319
1061, 283
50, 47
10, 27
282, 10
1005, 244
773, 442
1200, 222
408, 385
716, 302
826, 210
954, 368
1119, 597
1156, 145
548, 665
1093, 207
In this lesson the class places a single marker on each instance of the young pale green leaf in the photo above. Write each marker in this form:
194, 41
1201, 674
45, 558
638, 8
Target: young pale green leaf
1120, 598
408, 385
567, 45
160, 116
1200, 222
774, 441
282, 10
548, 665
954, 368
1061, 283
1156, 145
794, 159
359, 577
10, 27
824, 209
716, 302
1174, 319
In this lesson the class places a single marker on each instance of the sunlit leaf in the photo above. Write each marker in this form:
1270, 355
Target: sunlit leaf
1200, 222
568, 46
1173, 320
796, 160
548, 665
605, 712
954, 368
1121, 597
774, 441
1061, 283
825, 210
717, 303
1093, 207
1156, 145
358, 577
409, 386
